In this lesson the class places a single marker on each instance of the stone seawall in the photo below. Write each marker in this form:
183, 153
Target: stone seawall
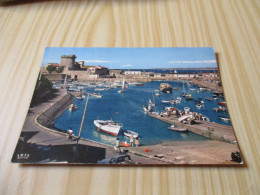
48, 117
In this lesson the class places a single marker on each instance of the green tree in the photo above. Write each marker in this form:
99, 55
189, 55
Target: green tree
60, 69
51, 68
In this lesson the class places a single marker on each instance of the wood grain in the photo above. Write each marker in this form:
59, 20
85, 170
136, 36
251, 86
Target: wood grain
232, 27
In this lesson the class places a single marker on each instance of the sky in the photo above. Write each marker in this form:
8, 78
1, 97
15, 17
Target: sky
136, 58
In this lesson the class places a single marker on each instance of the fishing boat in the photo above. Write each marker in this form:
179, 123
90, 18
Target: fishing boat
72, 107
129, 133
165, 87
139, 84
222, 103
224, 118
123, 87
108, 126
173, 128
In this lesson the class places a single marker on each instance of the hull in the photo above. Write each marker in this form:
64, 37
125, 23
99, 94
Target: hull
222, 103
110, 127
130, 133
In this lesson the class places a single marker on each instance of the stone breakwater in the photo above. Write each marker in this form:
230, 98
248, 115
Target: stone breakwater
48, 117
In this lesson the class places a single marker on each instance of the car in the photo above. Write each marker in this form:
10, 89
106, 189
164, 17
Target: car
121, 159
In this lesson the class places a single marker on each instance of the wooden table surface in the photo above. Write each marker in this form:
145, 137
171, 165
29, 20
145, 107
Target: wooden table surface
232, 27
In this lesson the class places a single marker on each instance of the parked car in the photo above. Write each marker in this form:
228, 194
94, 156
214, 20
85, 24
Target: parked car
121, 159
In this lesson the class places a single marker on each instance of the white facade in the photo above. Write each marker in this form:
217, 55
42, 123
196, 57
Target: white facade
132, 72
94, 76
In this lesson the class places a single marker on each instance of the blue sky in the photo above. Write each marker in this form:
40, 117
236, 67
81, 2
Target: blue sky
137, 58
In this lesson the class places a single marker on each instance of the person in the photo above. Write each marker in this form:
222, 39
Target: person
117, 142
131, 141
69, 136
137, 142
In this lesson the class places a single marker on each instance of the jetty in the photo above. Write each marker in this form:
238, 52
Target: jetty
207, 129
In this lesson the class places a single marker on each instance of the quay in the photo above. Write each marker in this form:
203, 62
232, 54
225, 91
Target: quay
207, 129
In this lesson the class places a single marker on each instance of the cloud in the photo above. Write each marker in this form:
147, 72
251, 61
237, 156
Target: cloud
127, 65
193, 62
96, 61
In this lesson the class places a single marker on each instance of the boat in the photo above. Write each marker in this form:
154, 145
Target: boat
165, 87
80, 97
124, 144
178, 98
224, 118
72, 107
108, 126
173, 128
96, 95
129, 133
99, 89
207, 98
176, 88
189, 98
157, 94
139, 84
149, 108
166, 102
198, 106
123, 87
192, 89
222, 103
220, 109
186, 109
202, 102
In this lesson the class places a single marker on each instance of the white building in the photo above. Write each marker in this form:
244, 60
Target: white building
132, 72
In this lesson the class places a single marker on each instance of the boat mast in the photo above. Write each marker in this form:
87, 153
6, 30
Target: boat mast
83, 117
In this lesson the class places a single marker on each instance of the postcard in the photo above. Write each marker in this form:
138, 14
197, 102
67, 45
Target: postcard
128, 106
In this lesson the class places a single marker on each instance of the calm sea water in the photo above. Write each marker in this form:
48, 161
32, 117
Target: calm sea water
127, 108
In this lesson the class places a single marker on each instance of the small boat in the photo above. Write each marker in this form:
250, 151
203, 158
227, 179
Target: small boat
96, 95
108, 126
166, 102
186, 109
224, 118
173, 128
157, 94
149, 108
198, 106
188, 95
124, 144
80, 97
72, 107
189, 98
207, 98
139, 84
178, 98
222, 103
192, 89
220, 109
176, 88
202, 102
129, 133
99, 89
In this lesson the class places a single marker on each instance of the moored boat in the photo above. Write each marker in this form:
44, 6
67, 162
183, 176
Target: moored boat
173, 128
166, 102
129, 133
222, 103
165, 87
139, 84
72, 107
124, 144
224, 118
108, 126
96, 95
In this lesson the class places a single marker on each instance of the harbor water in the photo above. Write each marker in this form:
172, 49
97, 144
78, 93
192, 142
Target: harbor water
127, 108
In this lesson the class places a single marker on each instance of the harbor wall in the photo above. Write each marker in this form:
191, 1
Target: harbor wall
48, 117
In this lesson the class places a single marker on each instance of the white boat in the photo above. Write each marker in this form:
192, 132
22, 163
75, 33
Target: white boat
157, 94
173, 128
224, 118
129, 133
72, 107
166, 102
80, 97
108, 126
99, 89
123, 87
149, 108
185, 117
96, 95
198, 106
186, 109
